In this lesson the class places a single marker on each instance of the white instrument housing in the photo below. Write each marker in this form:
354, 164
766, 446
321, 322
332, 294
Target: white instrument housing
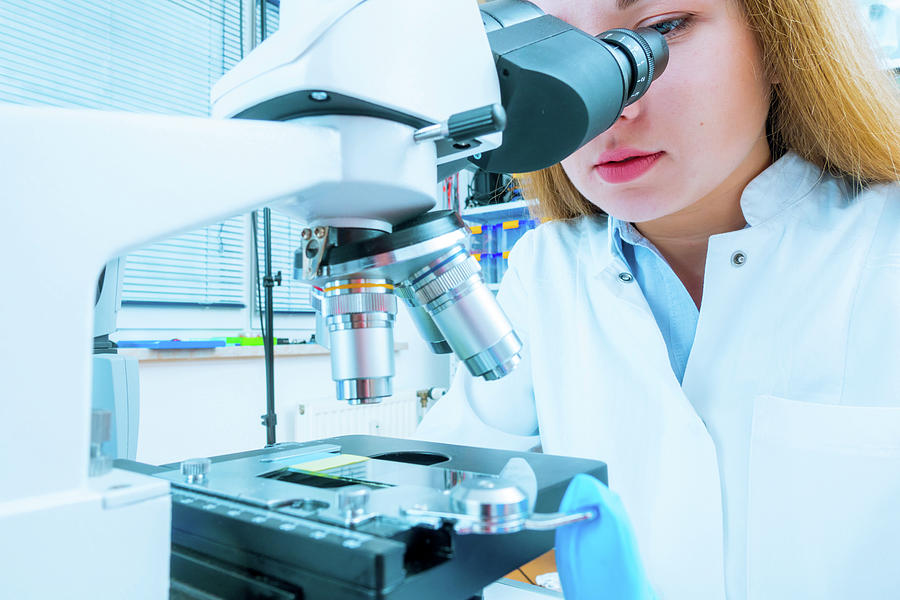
382, 69
80, 187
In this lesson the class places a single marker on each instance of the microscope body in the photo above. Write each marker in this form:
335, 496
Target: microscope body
323, 125
368, 241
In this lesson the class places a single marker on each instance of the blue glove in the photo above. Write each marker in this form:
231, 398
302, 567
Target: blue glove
599, 558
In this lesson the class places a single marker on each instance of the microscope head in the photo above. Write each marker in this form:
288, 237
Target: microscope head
376, 71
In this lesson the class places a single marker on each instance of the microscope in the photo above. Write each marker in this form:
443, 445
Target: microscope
549, 90
346, 118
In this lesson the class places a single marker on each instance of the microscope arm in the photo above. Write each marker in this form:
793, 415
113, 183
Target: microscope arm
83, 186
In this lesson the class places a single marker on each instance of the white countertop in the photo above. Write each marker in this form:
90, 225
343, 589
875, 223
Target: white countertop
225, 352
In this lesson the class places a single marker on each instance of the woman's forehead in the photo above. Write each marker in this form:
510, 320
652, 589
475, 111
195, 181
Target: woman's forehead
594, 16
612, 7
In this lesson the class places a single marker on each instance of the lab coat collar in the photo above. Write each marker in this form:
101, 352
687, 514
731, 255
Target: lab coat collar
606, 265
597, 245
784, 183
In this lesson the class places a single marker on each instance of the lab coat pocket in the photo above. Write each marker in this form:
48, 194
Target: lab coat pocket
824, 501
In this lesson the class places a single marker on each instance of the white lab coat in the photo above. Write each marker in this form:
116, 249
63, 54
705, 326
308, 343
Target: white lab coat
774, 470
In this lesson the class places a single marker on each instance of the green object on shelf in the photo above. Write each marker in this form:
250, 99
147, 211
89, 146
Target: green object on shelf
244, 341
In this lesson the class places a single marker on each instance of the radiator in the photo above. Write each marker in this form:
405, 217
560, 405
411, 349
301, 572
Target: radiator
393, 417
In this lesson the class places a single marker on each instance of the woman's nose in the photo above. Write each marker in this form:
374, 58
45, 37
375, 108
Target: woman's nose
631, 112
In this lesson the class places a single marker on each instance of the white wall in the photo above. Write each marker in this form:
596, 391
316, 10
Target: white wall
209, 407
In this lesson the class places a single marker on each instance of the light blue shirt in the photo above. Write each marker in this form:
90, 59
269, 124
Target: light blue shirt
671, 304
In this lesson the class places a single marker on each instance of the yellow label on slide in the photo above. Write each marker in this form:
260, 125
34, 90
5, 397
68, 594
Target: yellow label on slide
506, 254
510, 224
475, 229
476, 256
332, 462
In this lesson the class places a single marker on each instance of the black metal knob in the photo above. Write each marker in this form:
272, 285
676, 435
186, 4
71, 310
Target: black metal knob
470, 124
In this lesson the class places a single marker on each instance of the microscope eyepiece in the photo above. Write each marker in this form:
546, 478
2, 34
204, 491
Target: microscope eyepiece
647, 55
560, 86
659, 50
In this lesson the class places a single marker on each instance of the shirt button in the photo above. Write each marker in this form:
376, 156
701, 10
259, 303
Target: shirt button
626, 277
738, 259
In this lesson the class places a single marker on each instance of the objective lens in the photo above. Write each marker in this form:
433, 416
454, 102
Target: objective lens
454, 295
359, 314
424, 323
442, 285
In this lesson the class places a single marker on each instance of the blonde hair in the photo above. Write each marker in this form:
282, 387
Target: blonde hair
831, 103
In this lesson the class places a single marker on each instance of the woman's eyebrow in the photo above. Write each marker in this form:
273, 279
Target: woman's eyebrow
625, 4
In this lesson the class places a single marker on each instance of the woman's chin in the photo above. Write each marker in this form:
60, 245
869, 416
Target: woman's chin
638, 210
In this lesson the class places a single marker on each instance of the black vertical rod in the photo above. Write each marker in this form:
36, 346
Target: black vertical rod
270, 419
263, 26
269, 333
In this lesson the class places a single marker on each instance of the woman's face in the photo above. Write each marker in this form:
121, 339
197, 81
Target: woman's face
698, 133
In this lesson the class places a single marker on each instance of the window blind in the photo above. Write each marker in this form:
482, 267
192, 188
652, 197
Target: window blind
205, 267
882, 17
158, 56
273, 8
132, 55
291, 296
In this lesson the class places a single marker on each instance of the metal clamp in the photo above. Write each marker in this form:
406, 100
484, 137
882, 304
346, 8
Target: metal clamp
489, 505
314, 245
464, 524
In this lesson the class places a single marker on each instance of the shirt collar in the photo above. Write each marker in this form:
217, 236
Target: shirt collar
623, 232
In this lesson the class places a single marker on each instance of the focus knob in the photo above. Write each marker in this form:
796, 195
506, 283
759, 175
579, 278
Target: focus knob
465, 126
471, 124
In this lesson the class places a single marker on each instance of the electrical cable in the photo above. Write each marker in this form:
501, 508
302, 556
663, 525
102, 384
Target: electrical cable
504, 189
529, 579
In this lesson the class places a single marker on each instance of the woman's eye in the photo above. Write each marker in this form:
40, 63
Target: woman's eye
670, 25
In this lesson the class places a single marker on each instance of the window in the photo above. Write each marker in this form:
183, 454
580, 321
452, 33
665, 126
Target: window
158, 57
883, 20
205, 267
131, 55
291, 296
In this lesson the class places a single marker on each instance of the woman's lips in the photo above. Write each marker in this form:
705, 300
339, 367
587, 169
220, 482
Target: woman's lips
622, 166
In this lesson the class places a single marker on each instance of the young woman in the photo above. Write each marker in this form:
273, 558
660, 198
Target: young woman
712, 306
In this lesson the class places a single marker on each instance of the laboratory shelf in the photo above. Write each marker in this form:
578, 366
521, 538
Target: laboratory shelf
231, 352
494, 213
